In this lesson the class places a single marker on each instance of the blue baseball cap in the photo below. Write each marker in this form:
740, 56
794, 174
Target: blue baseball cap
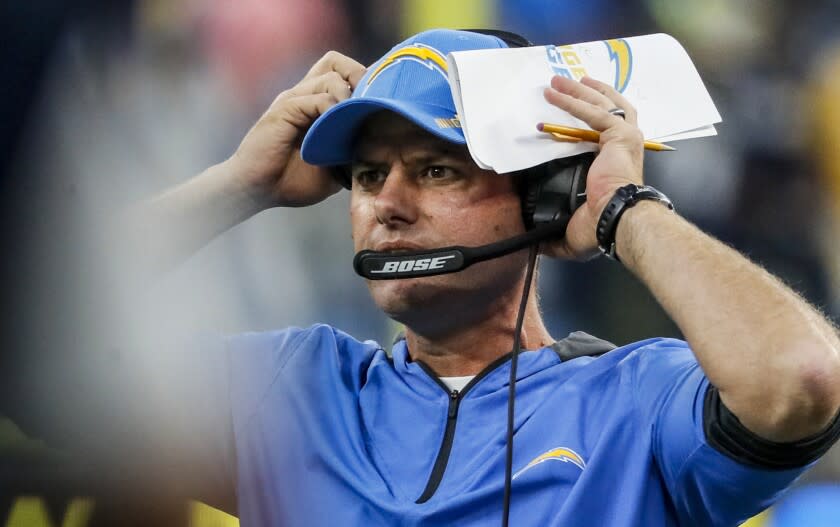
410, 80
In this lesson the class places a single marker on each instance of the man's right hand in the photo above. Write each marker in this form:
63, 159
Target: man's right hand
268, 159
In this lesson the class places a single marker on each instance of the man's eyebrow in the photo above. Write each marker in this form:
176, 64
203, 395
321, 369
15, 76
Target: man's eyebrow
422, 155
361, 160
438, 155
452, 150
423, 146
439, 147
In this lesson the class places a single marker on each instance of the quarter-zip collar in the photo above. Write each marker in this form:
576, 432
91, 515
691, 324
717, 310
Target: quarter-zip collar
494, 377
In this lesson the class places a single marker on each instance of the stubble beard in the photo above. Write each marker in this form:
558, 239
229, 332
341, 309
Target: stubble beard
437, 304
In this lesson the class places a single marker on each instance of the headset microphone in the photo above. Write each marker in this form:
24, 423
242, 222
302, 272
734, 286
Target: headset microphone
388, 266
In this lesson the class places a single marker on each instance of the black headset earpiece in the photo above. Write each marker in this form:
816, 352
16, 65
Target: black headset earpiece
553, 191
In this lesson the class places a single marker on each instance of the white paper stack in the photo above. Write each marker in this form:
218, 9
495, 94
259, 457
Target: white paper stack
499, 95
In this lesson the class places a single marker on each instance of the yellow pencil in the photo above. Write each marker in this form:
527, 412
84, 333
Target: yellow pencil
565, 138
591, 136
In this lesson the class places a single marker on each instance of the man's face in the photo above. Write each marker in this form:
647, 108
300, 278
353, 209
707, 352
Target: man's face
413, 191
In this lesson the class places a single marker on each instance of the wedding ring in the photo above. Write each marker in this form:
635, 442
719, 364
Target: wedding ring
618, 112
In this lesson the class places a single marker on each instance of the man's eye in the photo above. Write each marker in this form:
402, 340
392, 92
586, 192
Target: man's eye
438, 172
368, 177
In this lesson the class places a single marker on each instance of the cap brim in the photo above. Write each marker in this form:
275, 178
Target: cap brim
329, 140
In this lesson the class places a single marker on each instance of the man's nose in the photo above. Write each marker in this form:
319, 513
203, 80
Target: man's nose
396, 202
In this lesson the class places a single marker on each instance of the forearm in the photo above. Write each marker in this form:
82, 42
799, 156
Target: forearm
775, 360
164, 231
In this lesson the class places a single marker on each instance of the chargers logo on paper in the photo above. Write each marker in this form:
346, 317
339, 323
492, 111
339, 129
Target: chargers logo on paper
425, 55
622, 56
566, 455
564, 61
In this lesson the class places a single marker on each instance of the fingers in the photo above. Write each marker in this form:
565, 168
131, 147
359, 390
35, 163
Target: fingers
350, 70
615, 96
330, 82
334, 74
594, 115
580, 91
302, 110
590, 100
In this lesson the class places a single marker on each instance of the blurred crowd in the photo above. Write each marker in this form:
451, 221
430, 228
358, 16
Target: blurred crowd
134, 97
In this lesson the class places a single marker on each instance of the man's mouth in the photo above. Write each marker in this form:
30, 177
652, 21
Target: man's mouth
397, 247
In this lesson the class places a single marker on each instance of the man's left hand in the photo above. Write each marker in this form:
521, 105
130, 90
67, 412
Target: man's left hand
618, 162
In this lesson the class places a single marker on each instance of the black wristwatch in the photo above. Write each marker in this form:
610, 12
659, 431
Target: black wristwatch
624, 198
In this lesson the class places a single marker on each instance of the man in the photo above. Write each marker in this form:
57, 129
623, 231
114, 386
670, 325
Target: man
316, 427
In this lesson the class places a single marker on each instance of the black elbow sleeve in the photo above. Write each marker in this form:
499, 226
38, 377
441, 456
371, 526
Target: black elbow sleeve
727, 435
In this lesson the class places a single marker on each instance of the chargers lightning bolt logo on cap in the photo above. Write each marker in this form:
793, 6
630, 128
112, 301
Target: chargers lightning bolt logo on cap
622, 56
425, 55
566, 455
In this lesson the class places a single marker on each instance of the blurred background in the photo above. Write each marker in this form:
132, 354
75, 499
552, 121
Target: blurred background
105, 103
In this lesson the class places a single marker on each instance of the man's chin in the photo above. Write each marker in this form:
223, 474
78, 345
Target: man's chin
399, 299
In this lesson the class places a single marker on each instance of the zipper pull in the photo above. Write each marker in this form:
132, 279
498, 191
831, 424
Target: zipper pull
453, 403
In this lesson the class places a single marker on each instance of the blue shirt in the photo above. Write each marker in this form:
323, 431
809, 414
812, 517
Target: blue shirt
326, 430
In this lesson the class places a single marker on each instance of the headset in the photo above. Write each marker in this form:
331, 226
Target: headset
550, 193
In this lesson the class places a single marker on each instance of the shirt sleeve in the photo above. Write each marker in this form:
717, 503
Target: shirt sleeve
706, 486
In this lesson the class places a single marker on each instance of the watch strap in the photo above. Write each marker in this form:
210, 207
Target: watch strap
624, 198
